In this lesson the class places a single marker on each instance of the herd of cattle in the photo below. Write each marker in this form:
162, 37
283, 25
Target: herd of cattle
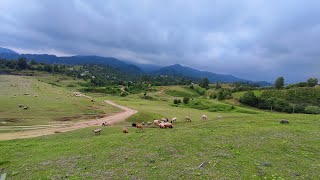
163, 123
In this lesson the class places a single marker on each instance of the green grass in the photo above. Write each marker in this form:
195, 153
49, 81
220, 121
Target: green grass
176, 93
52, 103
215, 106
142, 116
67, 82
237, 146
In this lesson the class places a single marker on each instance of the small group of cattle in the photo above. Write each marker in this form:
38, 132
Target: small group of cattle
163, 123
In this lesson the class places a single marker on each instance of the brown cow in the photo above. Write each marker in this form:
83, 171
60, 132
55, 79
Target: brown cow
124, 130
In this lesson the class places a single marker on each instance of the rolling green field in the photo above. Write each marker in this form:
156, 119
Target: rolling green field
47, 103
236, 145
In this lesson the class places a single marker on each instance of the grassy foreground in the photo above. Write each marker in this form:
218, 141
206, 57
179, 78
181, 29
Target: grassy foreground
240, 145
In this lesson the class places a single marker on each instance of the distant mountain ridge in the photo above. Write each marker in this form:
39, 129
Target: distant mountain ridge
6, 51
178, 69
74, 60
173, 70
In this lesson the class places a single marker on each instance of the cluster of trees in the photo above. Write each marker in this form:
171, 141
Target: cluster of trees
24, 64
279, 83
300, 100
244, 86
185, 100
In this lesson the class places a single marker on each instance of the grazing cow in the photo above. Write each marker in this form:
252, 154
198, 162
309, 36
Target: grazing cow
284, 121
25, 108
97, 131
169, 125
188, 118
124, 130
156, 122
139, 127
174, 120
165, 125
161, 125
133, 124
105, 124
204, 117
164, 119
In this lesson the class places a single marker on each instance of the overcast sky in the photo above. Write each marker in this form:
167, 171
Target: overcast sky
252, 39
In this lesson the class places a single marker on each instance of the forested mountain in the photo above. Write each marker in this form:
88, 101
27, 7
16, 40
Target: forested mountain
178, 69
136, 69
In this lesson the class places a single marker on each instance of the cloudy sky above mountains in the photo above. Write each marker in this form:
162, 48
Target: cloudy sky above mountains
252, 39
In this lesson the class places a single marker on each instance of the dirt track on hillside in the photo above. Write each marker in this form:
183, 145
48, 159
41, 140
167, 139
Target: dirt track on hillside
118, 117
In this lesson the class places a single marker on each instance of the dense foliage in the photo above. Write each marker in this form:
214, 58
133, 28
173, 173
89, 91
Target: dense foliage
299, 100
279, 84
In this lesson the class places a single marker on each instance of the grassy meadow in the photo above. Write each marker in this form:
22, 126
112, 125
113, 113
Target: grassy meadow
47, 103
240, 145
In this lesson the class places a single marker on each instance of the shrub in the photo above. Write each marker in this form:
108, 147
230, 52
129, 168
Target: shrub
312, 110
186, 100
249, 98
201, 91
213, 96
176, 101
71, 85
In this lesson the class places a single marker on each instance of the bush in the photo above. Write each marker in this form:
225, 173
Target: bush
249, 98
176, 101
186, 100
312, 110
201, 91
224, 94
213, 96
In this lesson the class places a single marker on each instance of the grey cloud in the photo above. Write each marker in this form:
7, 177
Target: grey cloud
253, 39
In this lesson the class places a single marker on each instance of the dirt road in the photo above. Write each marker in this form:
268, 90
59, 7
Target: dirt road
118, 117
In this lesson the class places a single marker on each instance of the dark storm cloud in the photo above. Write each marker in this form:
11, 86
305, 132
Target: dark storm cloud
253, 39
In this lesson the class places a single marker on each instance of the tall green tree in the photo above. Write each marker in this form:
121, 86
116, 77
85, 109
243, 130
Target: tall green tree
204, 83
279, 83
312, 82
22, 63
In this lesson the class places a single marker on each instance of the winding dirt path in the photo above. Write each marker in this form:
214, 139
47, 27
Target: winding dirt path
118, 117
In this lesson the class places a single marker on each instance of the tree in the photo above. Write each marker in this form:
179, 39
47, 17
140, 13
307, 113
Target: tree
249, 98
312, 82
22, 63
186, 100
204, 83
33, 62
271, 102
279, 83
48, 68
221, 95
218, 86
